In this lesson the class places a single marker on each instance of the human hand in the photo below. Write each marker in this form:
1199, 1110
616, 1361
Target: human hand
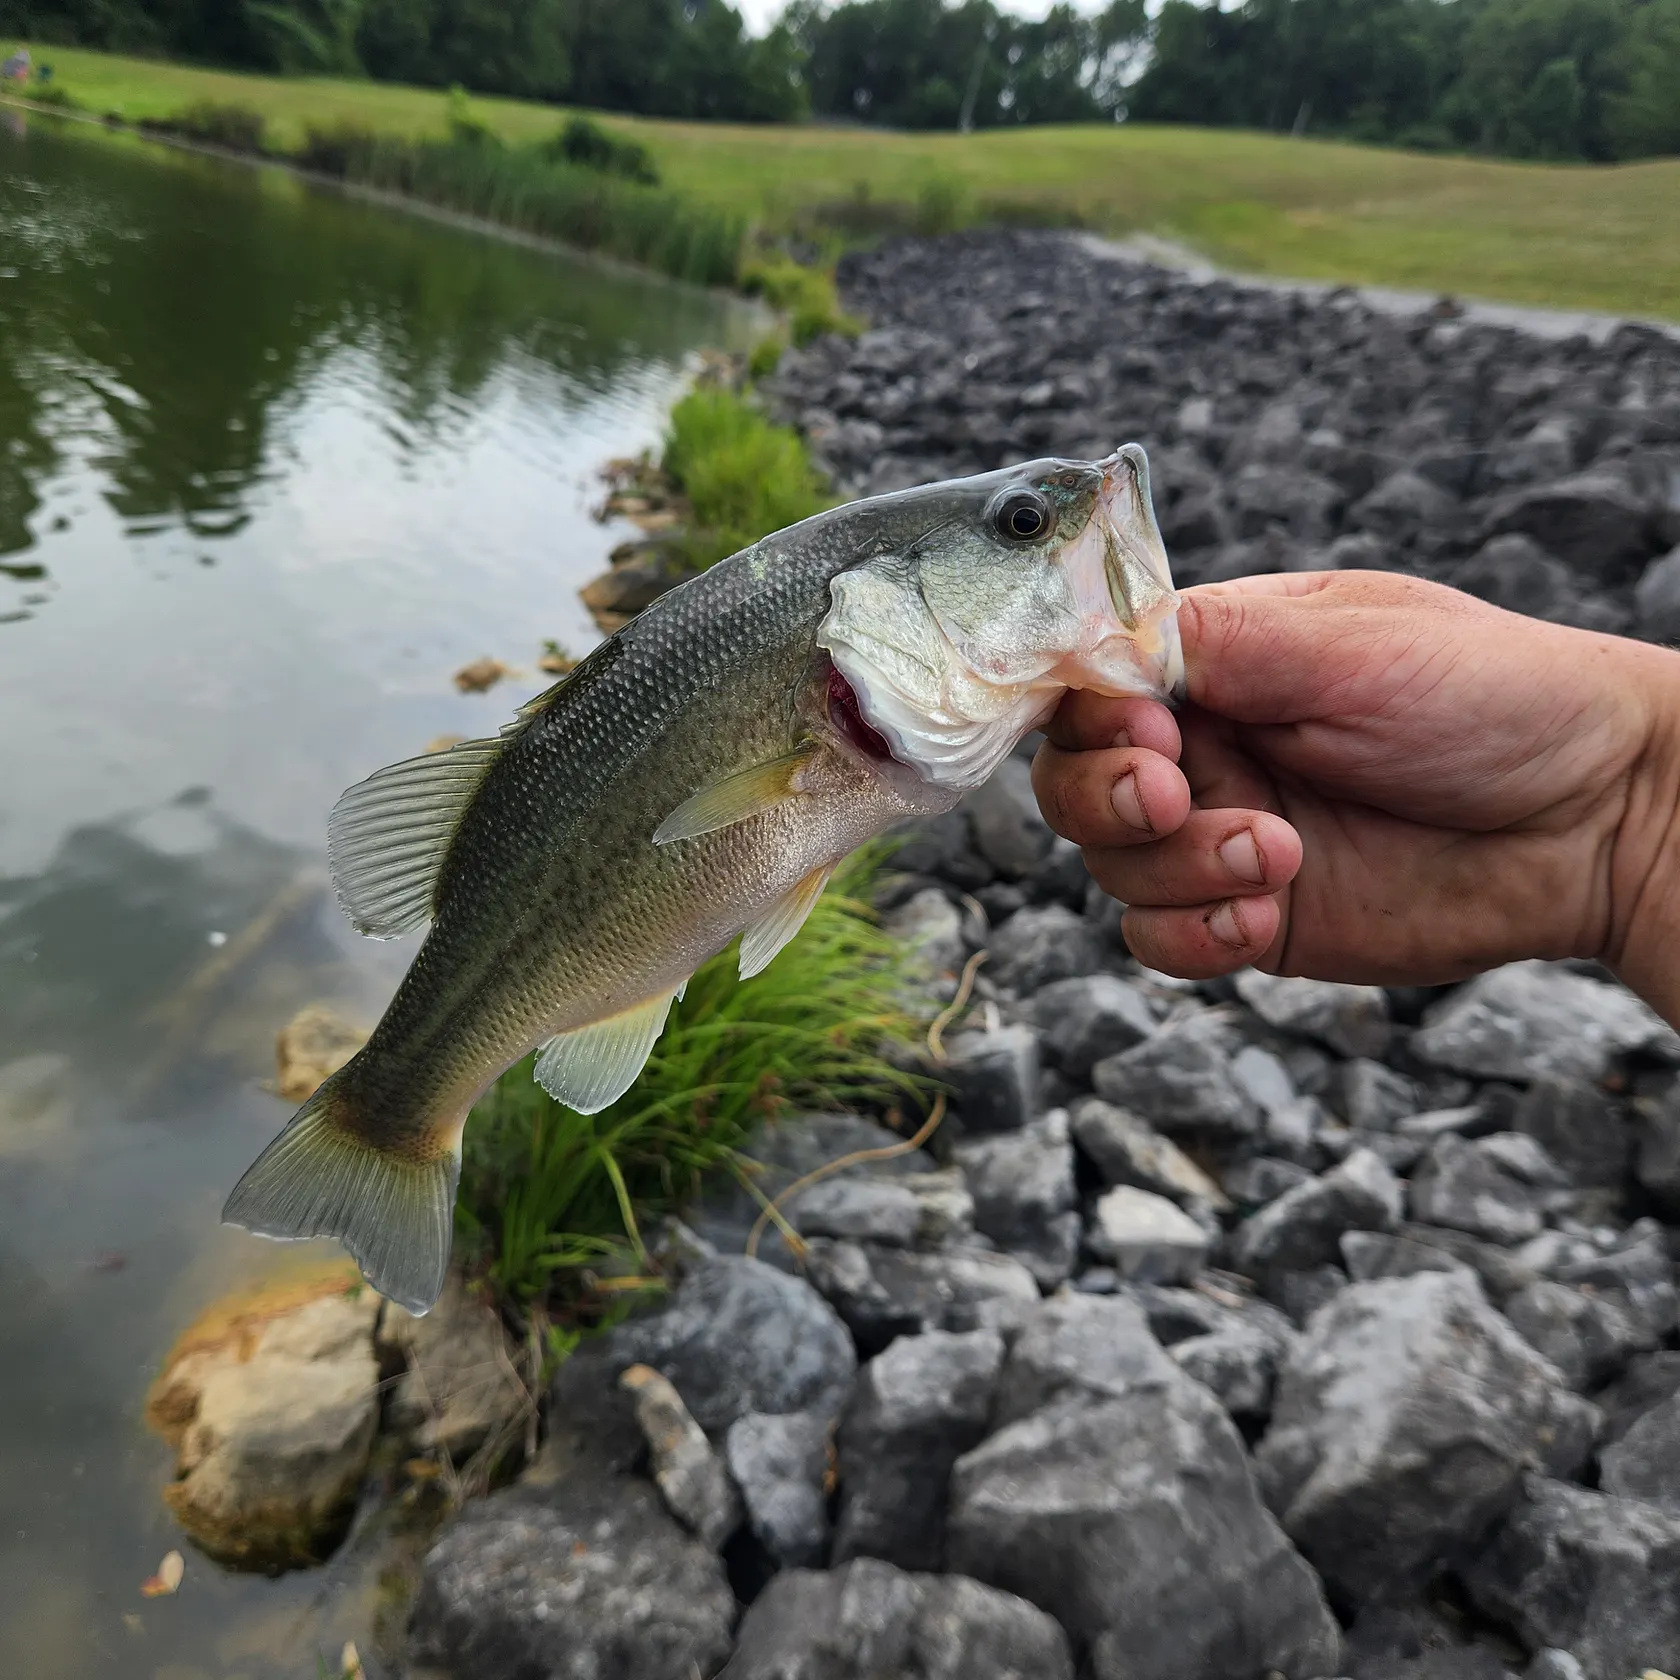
1381, 779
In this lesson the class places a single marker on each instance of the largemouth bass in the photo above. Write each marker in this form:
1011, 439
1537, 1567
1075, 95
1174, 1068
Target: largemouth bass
698, 776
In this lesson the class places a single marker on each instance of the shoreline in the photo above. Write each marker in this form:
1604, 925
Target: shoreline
383, 198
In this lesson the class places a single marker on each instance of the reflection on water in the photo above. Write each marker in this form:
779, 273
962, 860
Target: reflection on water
272, 465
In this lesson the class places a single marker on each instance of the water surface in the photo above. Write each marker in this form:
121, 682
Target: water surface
273, 464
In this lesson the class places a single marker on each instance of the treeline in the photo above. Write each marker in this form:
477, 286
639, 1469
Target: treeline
1592, 79
1557, 79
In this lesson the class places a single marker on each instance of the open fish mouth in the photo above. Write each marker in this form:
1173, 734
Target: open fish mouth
1117, 571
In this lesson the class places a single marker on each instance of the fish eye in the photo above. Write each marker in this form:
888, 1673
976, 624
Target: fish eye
1022, 517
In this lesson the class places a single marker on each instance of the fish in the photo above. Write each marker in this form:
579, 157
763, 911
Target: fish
696, 778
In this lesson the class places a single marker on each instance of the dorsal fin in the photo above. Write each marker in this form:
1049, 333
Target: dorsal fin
387, 836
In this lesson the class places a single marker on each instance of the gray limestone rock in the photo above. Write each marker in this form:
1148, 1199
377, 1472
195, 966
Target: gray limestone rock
918, 1407
1023, 1190
1303, 1227
1134, 1520
737, 1336
1180, 1080
1147, 1238
1580, 1128
1376, 1254
1042, 944
1590, 1337
1009, 832
1645, 1462
780, 1462
1086, 1017
994, 1078
1371, 1096
1657, 597
1351, 1019
870, 1621
1462, 1186
1586, 1572
1238, 1364
1403, 1422
1128, 1150
1591, 520
882, 1293
1530, 1019
591, 1576
863, 1209
931, 926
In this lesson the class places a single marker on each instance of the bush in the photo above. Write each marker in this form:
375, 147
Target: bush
592, 147
742, 475
545, 1191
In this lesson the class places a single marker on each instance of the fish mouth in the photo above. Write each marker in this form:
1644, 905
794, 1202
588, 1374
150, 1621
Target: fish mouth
1122, 587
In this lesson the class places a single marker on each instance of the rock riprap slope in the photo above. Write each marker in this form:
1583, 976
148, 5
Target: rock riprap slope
1225, 1330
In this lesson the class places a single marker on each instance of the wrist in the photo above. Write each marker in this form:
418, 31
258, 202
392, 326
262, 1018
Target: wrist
1644, 943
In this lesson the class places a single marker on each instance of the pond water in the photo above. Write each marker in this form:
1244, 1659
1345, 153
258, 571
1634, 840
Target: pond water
273, 464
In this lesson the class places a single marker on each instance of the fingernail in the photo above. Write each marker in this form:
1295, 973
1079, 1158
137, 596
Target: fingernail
1225, 927
1122, 738
1128, 807
1241, 856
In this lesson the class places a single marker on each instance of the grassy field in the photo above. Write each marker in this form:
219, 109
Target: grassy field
1566, 236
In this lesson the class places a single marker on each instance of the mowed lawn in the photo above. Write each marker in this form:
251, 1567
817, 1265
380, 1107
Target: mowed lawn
1568, 236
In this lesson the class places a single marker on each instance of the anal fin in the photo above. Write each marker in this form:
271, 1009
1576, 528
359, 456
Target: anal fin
765, 937
744, 794
595, 1065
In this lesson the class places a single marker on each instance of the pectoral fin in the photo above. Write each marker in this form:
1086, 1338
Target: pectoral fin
778, 924
597, 1064
735, 798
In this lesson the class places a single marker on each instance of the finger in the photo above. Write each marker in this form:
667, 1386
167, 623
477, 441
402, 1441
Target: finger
1216, 854
1085, 720
1207, 939
1122, 796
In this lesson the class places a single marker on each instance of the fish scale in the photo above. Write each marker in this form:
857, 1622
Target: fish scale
695, 777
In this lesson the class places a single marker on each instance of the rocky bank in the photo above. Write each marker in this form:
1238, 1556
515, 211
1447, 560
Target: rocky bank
1259, 1327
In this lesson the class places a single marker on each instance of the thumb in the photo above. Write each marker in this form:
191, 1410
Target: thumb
1289, 646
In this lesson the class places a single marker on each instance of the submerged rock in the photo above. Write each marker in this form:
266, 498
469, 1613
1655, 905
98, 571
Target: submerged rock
316, 1042
271, 1402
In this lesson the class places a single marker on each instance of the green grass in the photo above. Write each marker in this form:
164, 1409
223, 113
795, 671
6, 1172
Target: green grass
742, 475
1568, 236
546, 1192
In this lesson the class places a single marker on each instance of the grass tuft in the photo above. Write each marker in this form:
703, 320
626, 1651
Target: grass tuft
547, 1193
807, 296
743, 475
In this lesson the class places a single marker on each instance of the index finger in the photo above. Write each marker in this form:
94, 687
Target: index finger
1086, 722
1268, 583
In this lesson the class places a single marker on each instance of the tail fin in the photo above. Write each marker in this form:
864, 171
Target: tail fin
318, 1179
